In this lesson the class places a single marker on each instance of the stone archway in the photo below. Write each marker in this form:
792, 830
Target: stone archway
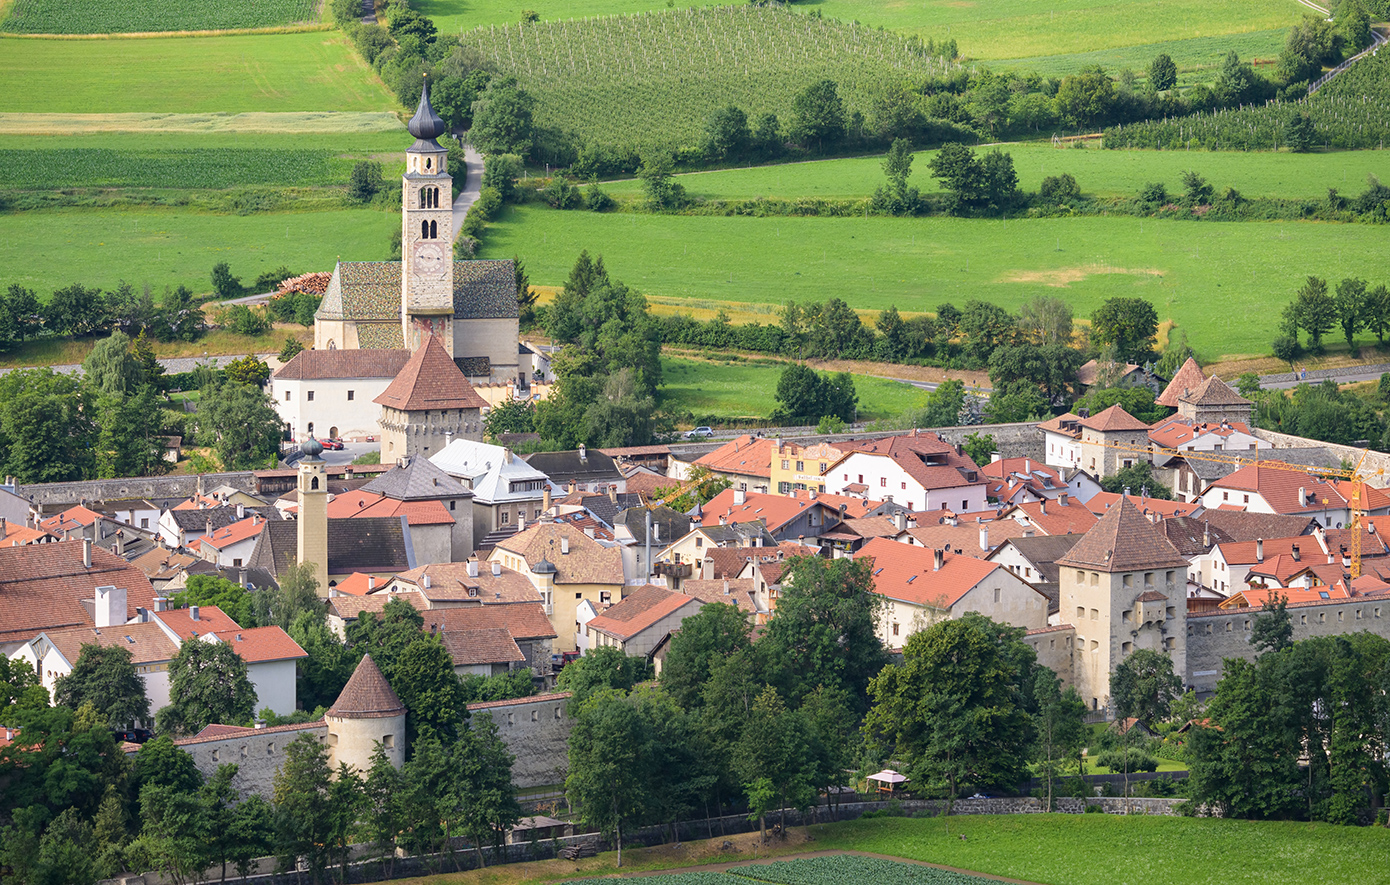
332, 433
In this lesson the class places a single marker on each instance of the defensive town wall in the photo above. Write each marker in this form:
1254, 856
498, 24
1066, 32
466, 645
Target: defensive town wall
536, 731
56, 495
1376, 467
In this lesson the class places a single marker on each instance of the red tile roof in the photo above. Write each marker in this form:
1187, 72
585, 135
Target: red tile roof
855, 507
1065, 424
964, 537
42, 587
1254, 597
488, 645
17, 533
1187, 378
218, 732
1113, 420
1280, 488
1177, 432
450, 582
741, 591
146, 642
211, 619
1055, 518
524, 620
256, 645
235, 533
367, 695
430, 380
309, 365
640, 610
907, 573
359, 504
350, 607
775, 510
931, 461
1102, 501
516, 702
72, 519
358, 584
588, 561
745, 456
1123, 540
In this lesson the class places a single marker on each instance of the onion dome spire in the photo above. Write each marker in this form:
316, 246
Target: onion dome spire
426, 125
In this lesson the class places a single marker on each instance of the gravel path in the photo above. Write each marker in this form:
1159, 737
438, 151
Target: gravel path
472, 186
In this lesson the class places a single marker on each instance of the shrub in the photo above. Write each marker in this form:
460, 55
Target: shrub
1059, 189
595, 200
1138, 760
560, 194
244, 321
1094, 808
366, 181
1154, 192
500, 173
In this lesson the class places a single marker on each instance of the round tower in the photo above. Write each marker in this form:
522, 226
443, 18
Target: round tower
367, 712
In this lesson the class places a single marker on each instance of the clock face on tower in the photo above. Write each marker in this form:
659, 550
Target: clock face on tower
429, 261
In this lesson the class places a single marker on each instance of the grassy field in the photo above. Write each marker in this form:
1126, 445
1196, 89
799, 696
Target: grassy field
1203, 54
1099, 172
1005, 29
120, 16
288, 124
1065, 849
1222, 283
314, 71
51, 249
745, 389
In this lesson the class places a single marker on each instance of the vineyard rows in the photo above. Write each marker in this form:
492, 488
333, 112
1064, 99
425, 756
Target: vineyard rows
828, 870
656, 76
178, 168
126, 16
1351, 112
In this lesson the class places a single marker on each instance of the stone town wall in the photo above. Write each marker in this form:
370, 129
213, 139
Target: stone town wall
258, 755
1215, 636
536, 731
1375, 461
1055, 648
55, 495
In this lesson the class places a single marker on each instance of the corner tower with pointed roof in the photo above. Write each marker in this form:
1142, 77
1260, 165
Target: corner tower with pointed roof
428, 405
366, 713
1123, 587
427, 235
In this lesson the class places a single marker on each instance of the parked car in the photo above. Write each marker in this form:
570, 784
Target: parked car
133, 735
699, 433
558, 661
335, 445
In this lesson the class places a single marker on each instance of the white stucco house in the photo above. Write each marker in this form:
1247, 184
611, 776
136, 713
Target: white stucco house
507, 491
330, 393
919, 471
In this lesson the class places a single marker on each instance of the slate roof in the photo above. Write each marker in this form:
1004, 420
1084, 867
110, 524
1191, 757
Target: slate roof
430, 380
1123, 540
365, 544
489, 645
1188, 377
417, 479
1214, 392
43, 586
562, 467
737, 534
1186, 534
367, 695
667, 524
1044, 551
640, 610
371, 290
312, 365
605, 510
220, 517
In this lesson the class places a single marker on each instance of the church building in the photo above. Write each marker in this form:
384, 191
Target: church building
470, 306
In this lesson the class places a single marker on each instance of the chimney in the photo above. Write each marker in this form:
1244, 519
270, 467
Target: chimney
900, 521
1346, 558
1259, 549
260, 723
994, 457
371, 583
161, 603
546, 501
183, 537
1293, 551
938, 559
723, 519
86, 552
1027, 466
448, 438
1302, 497
1206, 535
193, 612
583, 454
565, 546
472, 568
984, 536
241, 577
1062, 500
740, 497
110, 609
726, 588
507, 455
426, 582
573, 487
241, 511
209, 525
496, 568
613, 493
120, 538
1042, 506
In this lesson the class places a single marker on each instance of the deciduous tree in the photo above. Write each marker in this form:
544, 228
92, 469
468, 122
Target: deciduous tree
207, 683
105, 677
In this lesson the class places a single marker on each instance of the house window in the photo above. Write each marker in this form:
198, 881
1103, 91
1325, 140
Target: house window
1095, 578
1095, 614
895, 628
861, 478
1080, 612
388, 741
1225, 496
1080, 577
236, 563
996, 595
311, 396
904, 485
784, 464
287, 396
351, 395
800, 466
506, 518
451, 504
883, 482
1247, 499
699, 541
145, 523
535, 715
1127, 581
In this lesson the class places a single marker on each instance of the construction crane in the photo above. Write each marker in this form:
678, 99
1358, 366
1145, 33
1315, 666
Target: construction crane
1357, 476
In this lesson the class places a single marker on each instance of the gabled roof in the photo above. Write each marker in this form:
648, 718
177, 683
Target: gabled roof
605, 509
1256, 597
581, 465
357, 584
1188, 534
1123, 540
1088, 373
1244, 526
335, 365
211, 619
1214, 392
258, 645
197, 520
146, 642
1056, 518
1187, 378
1044, 551
587, 562
450, 582
931, 461
488, 645
246, 529
1280, 488
1100, 502
640, 610
430, 380
364, 544
907, 573
1067, 424
737, 534
367, 695
525, 621
362, 504
349, 608
667, 524
964, 537
775, 510
855, 507
744, 456
71, 519
1113, 420
489, 469
371, 290
739, 592
1178, 432
43, 587
417, 479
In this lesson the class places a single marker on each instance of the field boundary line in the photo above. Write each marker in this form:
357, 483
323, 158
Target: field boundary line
307, 27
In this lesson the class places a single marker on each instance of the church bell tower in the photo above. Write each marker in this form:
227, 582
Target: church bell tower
427, 235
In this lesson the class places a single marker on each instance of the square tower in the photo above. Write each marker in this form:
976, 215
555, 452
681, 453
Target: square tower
1123, 588
312, 522
427, 235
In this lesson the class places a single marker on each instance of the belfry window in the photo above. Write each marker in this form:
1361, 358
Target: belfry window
434, 230
424, 230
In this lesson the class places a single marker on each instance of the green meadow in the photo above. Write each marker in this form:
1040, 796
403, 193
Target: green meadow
746, 388
313, 71
1077, 849
46, 250
1196, 57
1099, 172
1222, 283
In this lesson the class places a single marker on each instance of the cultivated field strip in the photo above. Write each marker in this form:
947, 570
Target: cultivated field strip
144, 16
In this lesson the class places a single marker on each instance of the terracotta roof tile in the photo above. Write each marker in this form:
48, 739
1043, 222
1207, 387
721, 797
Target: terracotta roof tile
926, 457
1112, 420
1067, 424
1280, 488
71, 519
516, 702
524, 620
488, 645
211, 619
907, 573
218, 732
746, 456
449, 582
1053, 518
260, 644
367, 695
964, 538
728, 562
1214, 392
234, 533
1100, 502
742, 592
146, 642
1123, 540
430, 380
349, 608
588, 561
42, 587
774, 510
640, 610
1188, 377
1089, 372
